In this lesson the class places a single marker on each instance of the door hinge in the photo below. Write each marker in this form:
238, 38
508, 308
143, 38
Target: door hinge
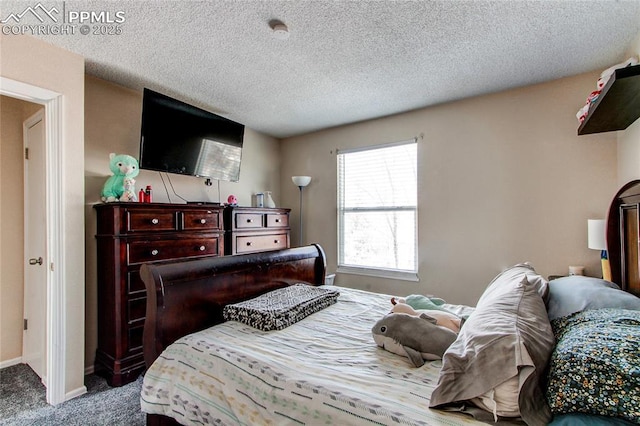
26, 153
26, 325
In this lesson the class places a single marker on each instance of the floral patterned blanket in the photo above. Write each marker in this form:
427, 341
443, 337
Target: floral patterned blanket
595, 366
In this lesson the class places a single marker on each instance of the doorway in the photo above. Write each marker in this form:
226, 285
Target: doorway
12, 264
56, 338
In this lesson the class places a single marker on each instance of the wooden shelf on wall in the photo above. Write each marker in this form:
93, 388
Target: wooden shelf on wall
618, 106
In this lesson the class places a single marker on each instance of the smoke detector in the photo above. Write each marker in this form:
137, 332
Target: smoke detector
280, 30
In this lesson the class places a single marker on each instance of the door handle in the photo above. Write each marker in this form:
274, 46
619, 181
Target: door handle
34, 261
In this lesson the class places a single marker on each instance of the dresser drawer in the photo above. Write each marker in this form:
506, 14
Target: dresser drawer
135, 338
248, 220
151, 220
202, 219
254, 229
253, 243
151, 251
277, 221
137, 309
135, 285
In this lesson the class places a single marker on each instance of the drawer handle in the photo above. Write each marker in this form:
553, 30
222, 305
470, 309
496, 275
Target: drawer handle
249, 243
202, 248
249, 220
155, 221
203, 221
277, 220
154, 252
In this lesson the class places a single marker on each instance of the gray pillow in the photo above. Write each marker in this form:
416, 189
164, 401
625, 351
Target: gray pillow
576, 293
516, 272
508, 335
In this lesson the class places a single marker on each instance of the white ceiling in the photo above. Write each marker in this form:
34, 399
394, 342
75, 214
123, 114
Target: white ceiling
345, 61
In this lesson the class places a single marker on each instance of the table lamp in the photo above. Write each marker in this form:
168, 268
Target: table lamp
597, 241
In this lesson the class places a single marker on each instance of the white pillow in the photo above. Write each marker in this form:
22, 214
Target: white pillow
501, 400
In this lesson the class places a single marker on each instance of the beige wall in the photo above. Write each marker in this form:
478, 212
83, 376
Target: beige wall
629, 154
112, 124
13, 113
629, 140
502, 179
35, 62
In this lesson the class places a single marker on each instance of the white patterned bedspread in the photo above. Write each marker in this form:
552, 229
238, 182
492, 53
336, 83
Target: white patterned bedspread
323, 370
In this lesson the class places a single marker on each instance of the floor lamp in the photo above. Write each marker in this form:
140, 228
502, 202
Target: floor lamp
301, 182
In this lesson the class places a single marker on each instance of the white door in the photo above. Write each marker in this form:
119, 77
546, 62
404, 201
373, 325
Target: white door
35, 292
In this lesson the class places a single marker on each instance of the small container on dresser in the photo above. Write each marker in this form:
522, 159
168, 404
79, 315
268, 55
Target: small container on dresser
253, 229
128, 235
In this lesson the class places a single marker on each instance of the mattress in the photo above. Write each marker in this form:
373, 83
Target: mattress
325, 369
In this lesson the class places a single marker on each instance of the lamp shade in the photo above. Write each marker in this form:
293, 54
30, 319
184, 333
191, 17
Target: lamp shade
596, 235
301, 180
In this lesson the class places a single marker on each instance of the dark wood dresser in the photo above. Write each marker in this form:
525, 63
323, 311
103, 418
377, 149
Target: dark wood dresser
128, 235
254, 229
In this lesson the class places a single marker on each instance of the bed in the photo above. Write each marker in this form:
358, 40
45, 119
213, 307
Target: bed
320, 365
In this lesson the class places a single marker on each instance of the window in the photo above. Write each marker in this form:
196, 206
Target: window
377, 210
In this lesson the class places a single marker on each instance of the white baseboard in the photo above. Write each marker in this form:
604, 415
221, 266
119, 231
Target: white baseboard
76, 392
11, 362
82, 389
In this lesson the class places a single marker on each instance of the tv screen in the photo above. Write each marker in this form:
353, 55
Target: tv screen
180, 138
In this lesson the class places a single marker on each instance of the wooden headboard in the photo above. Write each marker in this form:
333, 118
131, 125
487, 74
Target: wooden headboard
188, 296
623, 220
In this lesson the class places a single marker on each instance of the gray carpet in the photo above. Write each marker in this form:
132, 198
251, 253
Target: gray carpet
23, 402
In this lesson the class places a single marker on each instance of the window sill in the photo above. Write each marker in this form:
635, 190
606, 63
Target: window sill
379, 273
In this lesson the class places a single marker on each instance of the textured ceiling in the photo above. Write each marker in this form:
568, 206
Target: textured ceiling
345, 61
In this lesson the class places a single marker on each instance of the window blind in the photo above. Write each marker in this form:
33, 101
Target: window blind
377, 207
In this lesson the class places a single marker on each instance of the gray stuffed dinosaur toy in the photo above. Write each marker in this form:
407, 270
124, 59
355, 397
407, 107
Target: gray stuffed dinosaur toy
417, 337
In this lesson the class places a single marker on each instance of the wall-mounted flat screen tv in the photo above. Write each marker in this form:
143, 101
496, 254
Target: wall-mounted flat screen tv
180, 138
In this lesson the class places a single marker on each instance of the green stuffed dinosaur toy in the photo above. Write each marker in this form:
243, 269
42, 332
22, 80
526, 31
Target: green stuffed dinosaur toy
124, 168
414, 304
418, 301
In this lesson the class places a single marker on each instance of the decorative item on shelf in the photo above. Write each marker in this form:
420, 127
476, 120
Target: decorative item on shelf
301, 182
232, 200
123, 167
129, 193
259, 199
581, 115
597, 241
617, 105
268, 200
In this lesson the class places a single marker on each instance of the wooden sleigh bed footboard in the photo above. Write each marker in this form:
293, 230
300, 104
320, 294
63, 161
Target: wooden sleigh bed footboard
188, 296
